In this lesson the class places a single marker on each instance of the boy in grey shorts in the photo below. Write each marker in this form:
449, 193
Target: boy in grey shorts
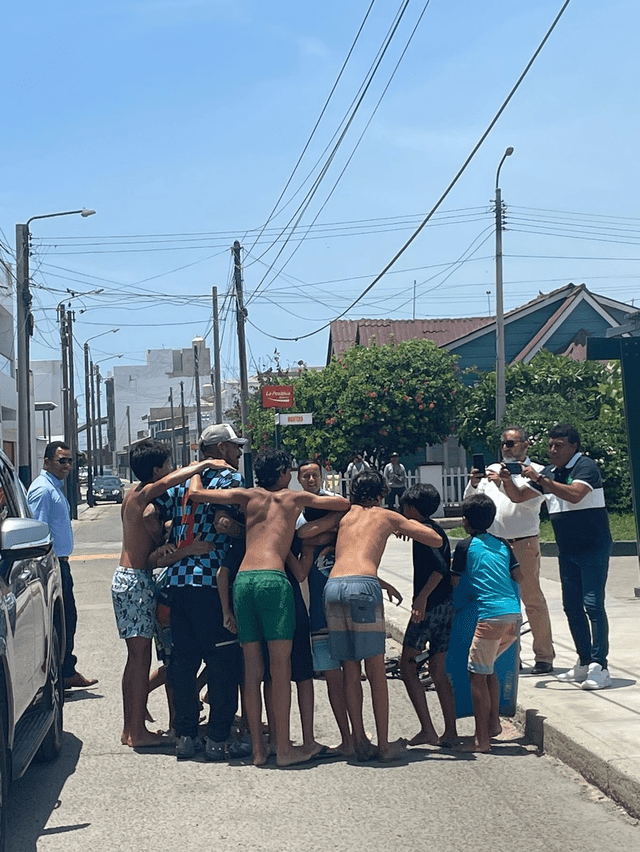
353, 605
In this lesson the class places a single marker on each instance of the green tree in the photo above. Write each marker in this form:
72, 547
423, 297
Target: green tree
554, 389
376, 400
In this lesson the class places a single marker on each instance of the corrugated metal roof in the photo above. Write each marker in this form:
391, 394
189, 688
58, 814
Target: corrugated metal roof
347, 333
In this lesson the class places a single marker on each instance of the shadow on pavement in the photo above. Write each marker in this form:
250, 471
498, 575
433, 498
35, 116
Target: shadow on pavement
34, 797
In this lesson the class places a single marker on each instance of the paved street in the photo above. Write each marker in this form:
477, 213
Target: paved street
101, 795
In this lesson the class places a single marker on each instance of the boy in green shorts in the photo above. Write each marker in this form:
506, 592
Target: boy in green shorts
262, 594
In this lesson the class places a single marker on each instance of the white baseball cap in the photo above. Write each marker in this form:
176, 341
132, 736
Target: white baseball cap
221, 433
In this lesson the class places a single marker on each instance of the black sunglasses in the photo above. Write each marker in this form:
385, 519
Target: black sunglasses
509, 443
65, 460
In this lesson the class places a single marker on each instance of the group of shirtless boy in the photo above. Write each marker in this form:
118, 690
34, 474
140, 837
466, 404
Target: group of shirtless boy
353, 533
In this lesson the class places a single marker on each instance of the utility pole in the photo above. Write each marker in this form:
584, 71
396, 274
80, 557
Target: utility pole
94, 438
217, 384
185, 431
501, 396
174, 448
241, 315
129, 442
98, 380
24, 331
111, 421
73, 422
196, 375
87, 405
66, 397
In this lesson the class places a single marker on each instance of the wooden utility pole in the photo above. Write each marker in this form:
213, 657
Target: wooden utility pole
174, 448
217, 384
196, 375
241, 315
185, 431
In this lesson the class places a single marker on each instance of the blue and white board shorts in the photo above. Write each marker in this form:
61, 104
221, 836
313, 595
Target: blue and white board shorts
133, 592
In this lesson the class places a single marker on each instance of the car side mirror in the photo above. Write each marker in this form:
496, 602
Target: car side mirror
24, 538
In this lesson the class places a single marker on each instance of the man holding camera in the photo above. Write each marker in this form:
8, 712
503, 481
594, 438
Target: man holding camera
519, 524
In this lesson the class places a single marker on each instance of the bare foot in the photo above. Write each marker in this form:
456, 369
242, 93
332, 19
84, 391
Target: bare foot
393, 751
472, 745
293, 755
78, 681
424, 738
495, 732
124, 738
149, 739
344, 750
448, 740
315, 748
365, 751
259, 756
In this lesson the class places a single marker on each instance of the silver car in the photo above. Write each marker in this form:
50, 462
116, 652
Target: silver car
32, 639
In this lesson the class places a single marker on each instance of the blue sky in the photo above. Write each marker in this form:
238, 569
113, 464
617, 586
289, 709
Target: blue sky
181, 122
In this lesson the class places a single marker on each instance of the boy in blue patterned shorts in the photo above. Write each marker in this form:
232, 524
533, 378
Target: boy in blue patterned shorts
133, 590
493, 571
353, 605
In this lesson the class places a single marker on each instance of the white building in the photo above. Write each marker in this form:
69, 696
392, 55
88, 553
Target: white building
142, 387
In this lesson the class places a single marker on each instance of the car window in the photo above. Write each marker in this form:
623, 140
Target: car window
107, 482
10, 503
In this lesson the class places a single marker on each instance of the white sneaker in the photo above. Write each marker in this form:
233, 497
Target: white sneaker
577, 674
597, 678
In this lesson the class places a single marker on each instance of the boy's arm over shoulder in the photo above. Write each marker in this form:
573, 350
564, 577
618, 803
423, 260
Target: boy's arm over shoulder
224, 496
332, 503
152, 490
415, 530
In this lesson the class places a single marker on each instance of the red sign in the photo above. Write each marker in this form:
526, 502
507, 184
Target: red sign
277, 396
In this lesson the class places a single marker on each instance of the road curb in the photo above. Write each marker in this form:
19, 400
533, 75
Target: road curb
595, 768
584, 757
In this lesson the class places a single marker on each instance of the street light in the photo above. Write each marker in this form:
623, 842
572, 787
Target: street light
24, 322
87, 397
501, 401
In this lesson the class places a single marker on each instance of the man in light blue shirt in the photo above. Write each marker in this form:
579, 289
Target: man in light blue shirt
49, 504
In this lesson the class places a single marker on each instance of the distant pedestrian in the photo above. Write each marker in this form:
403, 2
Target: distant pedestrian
355, 466
49, 504
572, 487
396, 477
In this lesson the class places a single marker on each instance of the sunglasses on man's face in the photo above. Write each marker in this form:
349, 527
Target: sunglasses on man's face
509, 444
65, 460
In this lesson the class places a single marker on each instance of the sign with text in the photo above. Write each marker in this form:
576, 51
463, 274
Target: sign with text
277, 396
294, 419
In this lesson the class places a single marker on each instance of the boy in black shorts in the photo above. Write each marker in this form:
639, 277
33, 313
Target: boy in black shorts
432, 615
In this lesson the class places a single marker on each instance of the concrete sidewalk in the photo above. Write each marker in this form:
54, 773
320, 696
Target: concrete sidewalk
596, 733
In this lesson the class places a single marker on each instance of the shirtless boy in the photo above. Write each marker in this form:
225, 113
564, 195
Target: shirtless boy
353, 605
262, 594
133, 590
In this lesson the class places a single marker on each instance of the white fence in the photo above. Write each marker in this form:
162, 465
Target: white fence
454, 481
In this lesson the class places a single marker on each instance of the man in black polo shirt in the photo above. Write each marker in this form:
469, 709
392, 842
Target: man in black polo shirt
572, 487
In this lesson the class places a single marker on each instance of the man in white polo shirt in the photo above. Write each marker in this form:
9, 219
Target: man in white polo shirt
519, 523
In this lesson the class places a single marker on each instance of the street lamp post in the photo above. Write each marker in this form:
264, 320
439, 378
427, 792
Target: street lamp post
501, 401
24, 330
88, 398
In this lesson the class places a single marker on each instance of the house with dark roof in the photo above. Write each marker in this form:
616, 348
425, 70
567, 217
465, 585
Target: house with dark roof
560, 321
